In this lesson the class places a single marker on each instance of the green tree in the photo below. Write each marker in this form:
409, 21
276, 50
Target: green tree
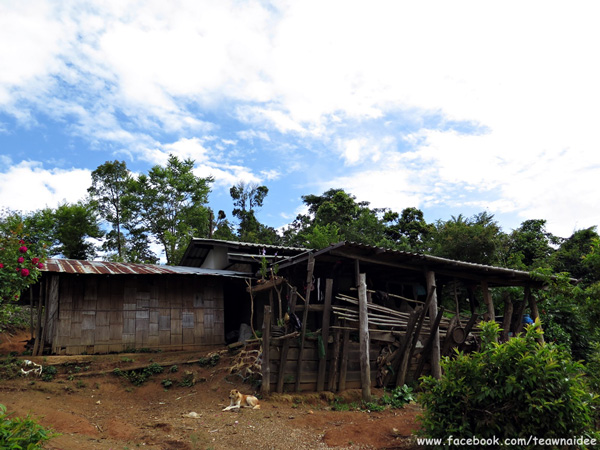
220, 227
337, 215
109, 187
532, 244
408, 230
75, 227
246, 199
474, 239
573, 256
170, 205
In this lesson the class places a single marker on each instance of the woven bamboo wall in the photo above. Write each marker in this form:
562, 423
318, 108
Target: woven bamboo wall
102, 314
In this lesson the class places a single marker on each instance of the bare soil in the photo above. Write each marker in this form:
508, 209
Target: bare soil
92, 408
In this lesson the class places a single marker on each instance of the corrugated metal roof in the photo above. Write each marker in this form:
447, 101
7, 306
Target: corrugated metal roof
116, 268
398, 258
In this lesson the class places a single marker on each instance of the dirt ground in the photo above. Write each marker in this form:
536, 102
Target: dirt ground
92, 408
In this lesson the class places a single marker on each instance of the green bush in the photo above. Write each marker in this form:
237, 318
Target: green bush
20, 434
518, 389
398, 397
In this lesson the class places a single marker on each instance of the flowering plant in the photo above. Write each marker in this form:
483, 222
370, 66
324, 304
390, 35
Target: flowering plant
20, 263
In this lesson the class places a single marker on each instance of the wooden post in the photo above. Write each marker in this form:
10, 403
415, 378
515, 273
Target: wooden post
436, 369
363, 333
508, 311
344, 363
52, 308
468, 328
521, 309
535, 314
325, 334
286, 345
428, 345
487, 298
412, 340
334, 363
309, 275
266, 345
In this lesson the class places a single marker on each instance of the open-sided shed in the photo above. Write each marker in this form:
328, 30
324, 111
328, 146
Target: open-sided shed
369, 315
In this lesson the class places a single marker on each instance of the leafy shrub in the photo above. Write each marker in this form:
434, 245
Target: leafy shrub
17, 433
398, 397
517, 389
48, 373
209, 361
138, 377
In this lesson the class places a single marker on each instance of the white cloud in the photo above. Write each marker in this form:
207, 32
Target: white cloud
27, 186
425, 73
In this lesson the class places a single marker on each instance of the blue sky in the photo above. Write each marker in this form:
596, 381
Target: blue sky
450, 107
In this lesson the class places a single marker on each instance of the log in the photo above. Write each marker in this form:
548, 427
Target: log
286, 345
365, 367
266, 347
325, 334
309, 275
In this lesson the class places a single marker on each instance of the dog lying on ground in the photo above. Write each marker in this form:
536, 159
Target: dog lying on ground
238, 400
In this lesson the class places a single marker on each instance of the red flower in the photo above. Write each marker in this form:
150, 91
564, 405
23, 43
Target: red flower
23, 249
25, 272
40, 266
21, 260
34, 261
1, 265
21, 241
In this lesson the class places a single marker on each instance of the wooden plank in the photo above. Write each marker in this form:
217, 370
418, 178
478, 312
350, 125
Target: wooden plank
363, 335
266, 345
286, 343
325, 333
309, 276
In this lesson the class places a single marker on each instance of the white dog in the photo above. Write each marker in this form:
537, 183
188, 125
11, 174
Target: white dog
238, 400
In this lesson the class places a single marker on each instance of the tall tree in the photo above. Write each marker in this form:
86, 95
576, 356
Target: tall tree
247, 198
408, 230
109, 187
532, 243
171, 205
474, 239
574, 255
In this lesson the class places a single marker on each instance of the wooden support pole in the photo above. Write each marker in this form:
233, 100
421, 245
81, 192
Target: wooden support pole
508, 311
363, 333
436, 370
334, 363
535, 314
344, 362
468, 328
521, 310
487, 298
286, 344
425, 353
413, 339
266, 347
325, 334
309, 276
38, 324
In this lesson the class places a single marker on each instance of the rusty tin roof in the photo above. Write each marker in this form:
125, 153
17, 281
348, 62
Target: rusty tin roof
81, 267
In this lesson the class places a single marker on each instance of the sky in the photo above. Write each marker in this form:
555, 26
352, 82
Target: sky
451, 107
